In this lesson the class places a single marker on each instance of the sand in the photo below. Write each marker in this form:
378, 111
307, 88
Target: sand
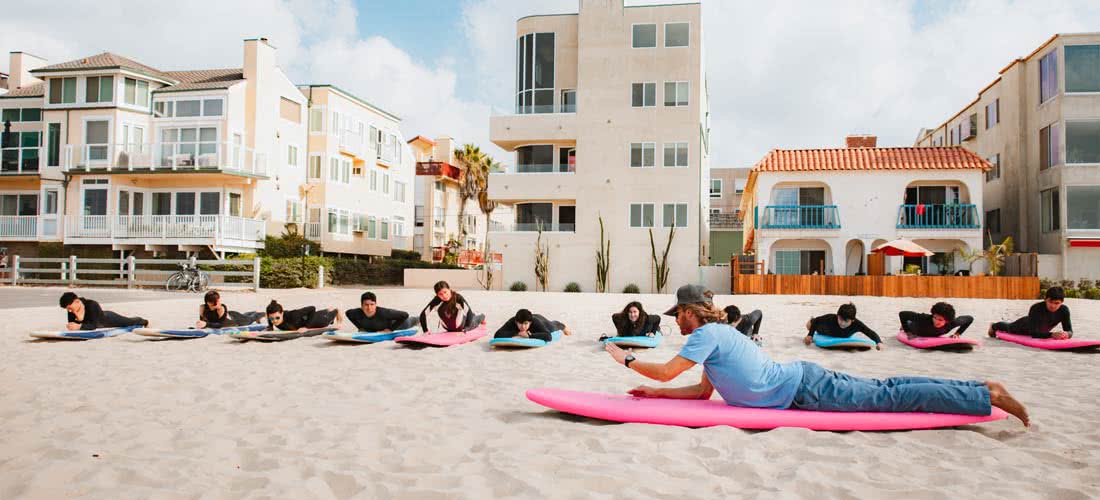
129, 417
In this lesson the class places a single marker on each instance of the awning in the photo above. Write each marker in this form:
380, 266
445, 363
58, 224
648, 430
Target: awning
903, 247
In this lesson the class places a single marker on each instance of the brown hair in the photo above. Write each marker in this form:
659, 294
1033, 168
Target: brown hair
707, 312
634, 327
450, 307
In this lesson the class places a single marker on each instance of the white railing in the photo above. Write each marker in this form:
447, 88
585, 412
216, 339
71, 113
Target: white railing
164, 156
313, 231
129, 272
540, 168
522, 227
163, 227
21, 226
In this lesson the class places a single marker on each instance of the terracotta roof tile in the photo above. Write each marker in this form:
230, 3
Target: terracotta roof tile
36, 90
104, 61
204, 79
931, 158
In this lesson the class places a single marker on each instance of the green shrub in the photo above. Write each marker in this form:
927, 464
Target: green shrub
1067, 285
1072, 294
631, 288
1085, 284
572, 287
1042, 293
405, 255
1045, 283
388, 271
1092, 293
518, 286
288, 245
294, 272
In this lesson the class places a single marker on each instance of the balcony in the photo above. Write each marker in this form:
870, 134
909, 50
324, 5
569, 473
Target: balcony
28, 227
959, 216
437, 169
164, 158
549, 168
726, 221
512, 131
312, 231
798, 217
533, 227
217, 230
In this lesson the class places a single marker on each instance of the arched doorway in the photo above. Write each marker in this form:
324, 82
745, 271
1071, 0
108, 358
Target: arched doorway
853, 258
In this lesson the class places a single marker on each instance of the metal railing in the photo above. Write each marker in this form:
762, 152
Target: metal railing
164, 227
954, 216
164, 156
129, 272
535, 168
798, 217
523, 227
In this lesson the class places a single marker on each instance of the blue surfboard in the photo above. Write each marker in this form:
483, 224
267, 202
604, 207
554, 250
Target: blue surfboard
82, 334
367, 337
827, 342
639, 341
197, 333
525, 342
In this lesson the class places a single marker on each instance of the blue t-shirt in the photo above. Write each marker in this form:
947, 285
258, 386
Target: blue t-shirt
739, 370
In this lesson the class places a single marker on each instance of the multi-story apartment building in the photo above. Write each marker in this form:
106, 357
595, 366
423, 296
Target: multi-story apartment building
820, 211
360, 173
438, 198
1038, 124
611, 120
727, 185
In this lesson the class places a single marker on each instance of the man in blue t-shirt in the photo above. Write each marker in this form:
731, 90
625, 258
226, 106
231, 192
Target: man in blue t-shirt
745, 376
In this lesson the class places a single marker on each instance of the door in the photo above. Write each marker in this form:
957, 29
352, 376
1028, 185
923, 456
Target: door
812, 199
94, 204
50, 202
813, 262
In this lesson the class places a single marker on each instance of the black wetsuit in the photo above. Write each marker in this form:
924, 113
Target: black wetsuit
829, 326
540, 328
308, 317
1038, 323
383, 319
229, 318
749, 324
623, 327
920, 324
95, 317
450, 320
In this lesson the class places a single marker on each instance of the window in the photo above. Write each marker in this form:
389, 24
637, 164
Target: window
235, 204
334, 169
398, 226
643, 95
373, 180
136, 92
1082, 68
968, 129
53, 145
993, 221
372, 229
188, 108
189, 147
1048, 76
290, 110
209, 203
677, 34
535, 73
15, 115
292, 156
62, 90
676, 154
739, 185
386, 183
642, 154
676, 93
567, 218
535, 159
992, 113
375, 134
644, 36
293, 211
799, 261
995, 172
1083, 142
384, 233
567, 159
19, 152
1051, 208
1048, 146
951, 141
530, 216
162, 204
212, 107
99, 88
716, 188
185, 203
641, 215
569, 101
18, 205
345, 171
399, 192
674, 213
1082, 207
314, 166
96, 136
316, 120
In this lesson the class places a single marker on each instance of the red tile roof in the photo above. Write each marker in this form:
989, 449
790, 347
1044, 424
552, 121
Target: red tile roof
34, 90
105, 60
204, 79
808, 160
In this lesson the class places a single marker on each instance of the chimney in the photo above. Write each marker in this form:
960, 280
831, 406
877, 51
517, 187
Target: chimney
259, 70
20, 69
860, 141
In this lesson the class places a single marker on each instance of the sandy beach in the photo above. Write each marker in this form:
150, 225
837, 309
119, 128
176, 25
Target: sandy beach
214, 418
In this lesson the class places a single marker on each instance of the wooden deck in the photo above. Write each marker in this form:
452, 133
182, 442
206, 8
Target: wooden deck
979, 287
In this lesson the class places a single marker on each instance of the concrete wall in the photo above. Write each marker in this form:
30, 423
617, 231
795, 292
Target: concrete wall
459, 279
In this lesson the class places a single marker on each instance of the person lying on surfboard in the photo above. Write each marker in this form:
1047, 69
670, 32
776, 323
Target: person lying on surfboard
303, 319
214, 314
368, 317
747, 324
843, 324
745, 376
455, 314
86, 314
939, 323
633, 321
530, 326
1041, 319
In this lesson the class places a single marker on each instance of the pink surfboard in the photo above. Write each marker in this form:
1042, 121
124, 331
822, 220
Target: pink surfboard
1049, 344
444, 339
937, 342
708, 413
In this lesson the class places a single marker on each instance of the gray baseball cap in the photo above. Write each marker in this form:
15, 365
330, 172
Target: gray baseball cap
689, 294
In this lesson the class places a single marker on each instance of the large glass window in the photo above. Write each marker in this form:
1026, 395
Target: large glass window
1048, 146
185, 203
19, 204
535, 159
644, 36
674, 213
136, 92
209, 203
535, 73
189, 147
567, 218
1083, 142
1048, 76
995, 172
677, 34
62, 90
316, 120
643, 95
992, 113
530, 216
1051, 209
676, 154
569, 101
99, 89
96, 135
188, 108
19, 152
15, 115
642, 154
676, 93
1082, 68
315, 166
799, 261
641, 214
1082, 206
162, 204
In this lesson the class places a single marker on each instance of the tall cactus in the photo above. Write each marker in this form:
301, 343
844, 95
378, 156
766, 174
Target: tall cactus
660, 267
603, 262
542, 261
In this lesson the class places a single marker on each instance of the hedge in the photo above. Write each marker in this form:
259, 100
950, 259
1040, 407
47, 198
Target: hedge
387, 271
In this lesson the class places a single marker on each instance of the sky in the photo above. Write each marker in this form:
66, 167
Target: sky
782, 74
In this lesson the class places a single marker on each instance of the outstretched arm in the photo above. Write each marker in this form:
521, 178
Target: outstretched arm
702, 390
661, 372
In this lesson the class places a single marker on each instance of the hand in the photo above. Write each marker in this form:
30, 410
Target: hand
617, 353
200, 324
645, 391
880, 346
809, 339
72, 326
1059, 336
524, 334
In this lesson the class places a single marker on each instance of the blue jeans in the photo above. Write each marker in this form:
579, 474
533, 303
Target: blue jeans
827, 390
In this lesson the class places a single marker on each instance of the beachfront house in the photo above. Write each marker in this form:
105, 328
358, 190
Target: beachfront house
821, 211
727, 186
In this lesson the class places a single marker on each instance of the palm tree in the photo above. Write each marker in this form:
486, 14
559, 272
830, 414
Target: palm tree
471, 159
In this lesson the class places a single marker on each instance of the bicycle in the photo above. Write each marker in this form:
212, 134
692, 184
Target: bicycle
189, 278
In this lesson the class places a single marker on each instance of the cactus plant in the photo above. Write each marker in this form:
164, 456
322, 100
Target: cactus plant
603, 261
660, 267
542, 262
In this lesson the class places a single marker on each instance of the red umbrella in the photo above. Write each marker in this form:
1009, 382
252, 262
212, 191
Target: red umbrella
903, 247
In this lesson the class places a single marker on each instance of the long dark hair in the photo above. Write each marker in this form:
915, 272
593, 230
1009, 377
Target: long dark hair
642, 316
274, 307
449, 308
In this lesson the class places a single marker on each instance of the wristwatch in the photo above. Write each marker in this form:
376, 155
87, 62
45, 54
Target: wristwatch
627, 360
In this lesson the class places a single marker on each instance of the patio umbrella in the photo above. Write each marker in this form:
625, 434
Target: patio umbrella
903, 247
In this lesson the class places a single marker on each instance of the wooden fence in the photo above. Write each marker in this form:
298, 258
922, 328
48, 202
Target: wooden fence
979, 287
129, 272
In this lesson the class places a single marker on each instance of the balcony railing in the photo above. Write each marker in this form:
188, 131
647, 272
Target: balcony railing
164, 157
536, 168
164, 227
437, 168
726, 221
524, 227
956, 216
28, 227
799, 217
313, 231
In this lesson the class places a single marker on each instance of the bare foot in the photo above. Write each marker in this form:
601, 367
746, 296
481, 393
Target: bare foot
999, 397
990, 332
567, 331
